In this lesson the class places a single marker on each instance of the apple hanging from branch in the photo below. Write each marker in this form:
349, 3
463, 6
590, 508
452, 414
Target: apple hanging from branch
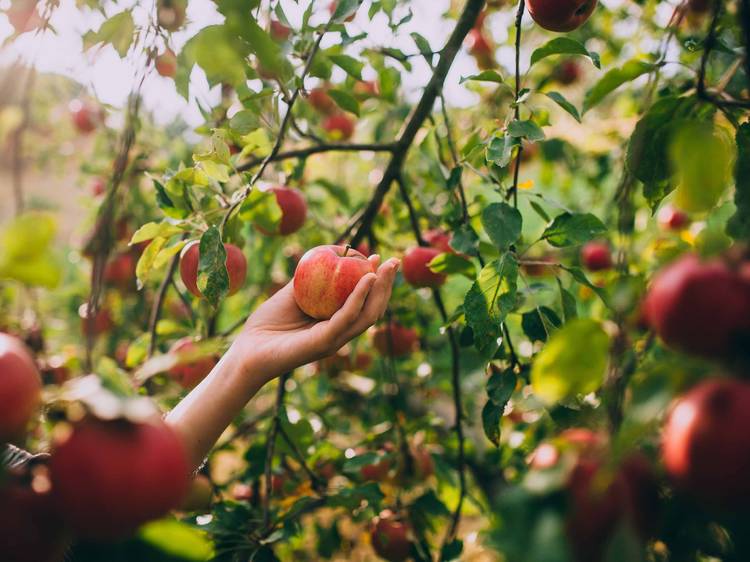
561, 15
236, 265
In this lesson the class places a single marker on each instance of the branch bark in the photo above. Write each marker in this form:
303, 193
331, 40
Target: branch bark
317, 149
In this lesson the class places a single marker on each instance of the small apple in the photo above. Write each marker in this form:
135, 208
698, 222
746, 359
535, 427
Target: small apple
390, 537
394, 340
23, 15
698, 307
170, 14
166, 64
343, 360
86, 118
378, 471
671, 218
98, 187
235, 262
440, 239
293, 210
706, 445
481, 49
279, 31
339, 126
416, 270
365, 89
120, 270
596, 256
569, 72
326, 276
110, 477
242, 492
189, 370
319, 99
20, 388
95, 324
561, 15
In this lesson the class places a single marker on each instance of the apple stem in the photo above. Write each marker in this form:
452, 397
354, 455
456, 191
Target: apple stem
346, 250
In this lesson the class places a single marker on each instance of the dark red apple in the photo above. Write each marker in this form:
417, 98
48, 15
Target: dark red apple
235, 262
20, 388
671, 218
293, 210
378, 471
109, 477
415, 267
321, 101
596, 256
567, 73
339, 126
390, 537
706, 444
326, 276
394, 340
279, 31
120, 270
86, 118
481, 49
698, 307
95, 324
190, 369
561, 15
166, 64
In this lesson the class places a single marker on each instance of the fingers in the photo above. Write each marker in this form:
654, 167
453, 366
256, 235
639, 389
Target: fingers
374, 260
348, 314
377, 299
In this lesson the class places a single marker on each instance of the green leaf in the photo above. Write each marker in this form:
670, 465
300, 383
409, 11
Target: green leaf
500, 149
422, 44
491, 416
560, 100
26, 252
261, 208
178, 539
563, 46
219, 53
525, 129
540, 323
571, 229
344, 9
449, 263
500, 386
568, 303
502, 223
213, 279
580, 277
465, 240
145, 265
738, 226
244, 122
350, 65
345, 101
119, 31
572, 362
452, 551
151, 230
484, 76
614, 79
489, 300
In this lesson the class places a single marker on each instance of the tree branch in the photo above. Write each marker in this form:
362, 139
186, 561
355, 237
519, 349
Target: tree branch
316, 149
271, 446
159, 302
517, 112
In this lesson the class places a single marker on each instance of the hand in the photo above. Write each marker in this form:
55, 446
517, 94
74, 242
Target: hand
279, 337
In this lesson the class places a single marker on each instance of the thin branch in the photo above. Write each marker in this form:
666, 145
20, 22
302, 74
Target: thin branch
159, 302
412, 212
316, 481
316, 149
271, 445
513, 191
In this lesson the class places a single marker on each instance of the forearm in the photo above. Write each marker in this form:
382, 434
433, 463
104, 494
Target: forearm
203, 415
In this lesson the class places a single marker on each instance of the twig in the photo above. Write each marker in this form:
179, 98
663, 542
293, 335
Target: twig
317, 483
271, 445
158, 303
412, 213
517, 111
316, 149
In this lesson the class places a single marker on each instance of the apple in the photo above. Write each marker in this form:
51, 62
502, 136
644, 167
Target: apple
481, 49
23, 15
698, 307
394, 340
378, 471
671, 218
189, 370
343, 360
416, 270
560, 15
364, 89
170, 14
199, 495
120, 270
166, 64
440, 239
98, 187
339, 126
390, 537
577, 440
110, 477
86, 118
293, 210
706, 445
569, 72
95, 325
20, 387
279, 31
596, 256
319, 99
424, 467
236, 265
326, 276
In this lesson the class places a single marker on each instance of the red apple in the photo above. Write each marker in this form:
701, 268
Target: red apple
20, 388
567, 73
339, 126
561, 15
671, 218
190, 369
596, 256
23, 15
120, 270
366, 89
166, 64
415, 267
326, 276
439, 239
699, 307
235, 262
86, 118
95, 325
321, 101
98, 187
170, 14
378, 471
279, 31
242, 492
109, 477
293, 210
343, 360
390, 537
481, 49
394, 340
706, 445
424, 467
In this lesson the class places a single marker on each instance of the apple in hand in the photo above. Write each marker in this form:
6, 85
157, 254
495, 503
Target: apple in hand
394, 340
190, 369
293, 210
416, 270
339, 126
561, 15
596, 256
706, 443
235, 262
326, 276
20, 387
390, 537
166, 64
110, 477
701, 308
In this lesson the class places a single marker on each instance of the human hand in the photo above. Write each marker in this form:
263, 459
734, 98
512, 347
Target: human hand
279, 337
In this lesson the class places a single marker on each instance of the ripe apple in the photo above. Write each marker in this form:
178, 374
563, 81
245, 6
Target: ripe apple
415, 269
561, 15
242, 492
23, 15
293, 210
235, 262
343, 360
166, 64
569, 72
86, 118
671, 218
439, 239
199, 495
170, 14
481, 49
109, 477
20, 388
596, 256
364, 89
319, 99
120, 270
378, 471
390, 537
98, 187
189, 370
394, 340
702, 308
279, 31
706, 445
95, 325
326, 276
339, 126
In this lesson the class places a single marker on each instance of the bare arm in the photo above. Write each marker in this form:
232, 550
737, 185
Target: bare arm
277, 338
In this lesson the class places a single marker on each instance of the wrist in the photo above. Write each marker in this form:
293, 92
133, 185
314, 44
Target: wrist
253, 367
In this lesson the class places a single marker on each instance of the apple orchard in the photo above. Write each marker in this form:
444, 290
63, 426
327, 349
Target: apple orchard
562, 370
